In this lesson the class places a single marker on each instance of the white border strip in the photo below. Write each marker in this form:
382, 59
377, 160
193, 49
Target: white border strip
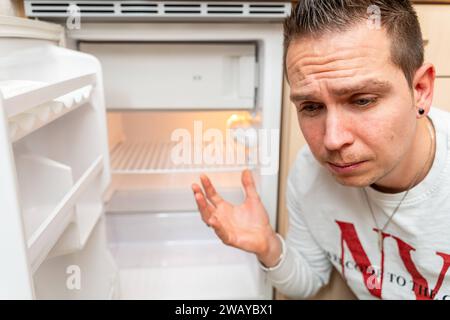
13, 27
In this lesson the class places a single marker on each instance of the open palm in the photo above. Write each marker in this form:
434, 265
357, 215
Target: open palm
245, 226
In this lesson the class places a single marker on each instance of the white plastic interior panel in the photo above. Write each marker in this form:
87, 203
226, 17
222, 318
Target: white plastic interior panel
158, 10
175, 256
177, 75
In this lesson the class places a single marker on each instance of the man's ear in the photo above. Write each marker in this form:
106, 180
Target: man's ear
423, 87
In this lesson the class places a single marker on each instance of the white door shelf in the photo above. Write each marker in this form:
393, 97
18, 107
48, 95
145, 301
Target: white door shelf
88, 210
26, 118
54, 220
42, 184
21, 98
99, 275
29, 121
59, 216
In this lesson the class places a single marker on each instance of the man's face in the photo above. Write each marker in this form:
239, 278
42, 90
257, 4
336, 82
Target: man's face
354, 105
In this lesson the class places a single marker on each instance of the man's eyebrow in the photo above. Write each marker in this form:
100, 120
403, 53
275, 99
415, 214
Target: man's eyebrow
371, 84
295, 97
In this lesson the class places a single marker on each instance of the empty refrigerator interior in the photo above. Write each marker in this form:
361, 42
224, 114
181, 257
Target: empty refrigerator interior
177, 109
160, 244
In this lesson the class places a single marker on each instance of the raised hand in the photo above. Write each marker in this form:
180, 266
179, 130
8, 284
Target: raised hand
245, 226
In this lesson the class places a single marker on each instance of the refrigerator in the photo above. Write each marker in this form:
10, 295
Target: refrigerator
103, 129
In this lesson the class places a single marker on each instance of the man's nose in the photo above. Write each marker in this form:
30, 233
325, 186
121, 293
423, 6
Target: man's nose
337, 131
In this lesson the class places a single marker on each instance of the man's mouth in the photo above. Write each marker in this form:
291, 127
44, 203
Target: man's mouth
344, 167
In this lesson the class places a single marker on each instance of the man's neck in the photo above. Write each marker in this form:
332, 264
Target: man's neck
416, 164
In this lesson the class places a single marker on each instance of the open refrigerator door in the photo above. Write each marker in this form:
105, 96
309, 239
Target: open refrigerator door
56, 165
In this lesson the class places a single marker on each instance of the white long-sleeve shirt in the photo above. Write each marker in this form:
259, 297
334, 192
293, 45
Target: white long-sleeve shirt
331, 226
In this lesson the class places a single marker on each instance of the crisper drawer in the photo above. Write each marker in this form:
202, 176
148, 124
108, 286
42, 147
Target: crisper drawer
177, 75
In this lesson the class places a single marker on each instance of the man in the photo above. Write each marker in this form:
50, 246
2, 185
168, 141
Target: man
369, 193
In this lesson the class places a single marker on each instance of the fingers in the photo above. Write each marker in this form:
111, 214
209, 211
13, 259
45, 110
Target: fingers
249, 184
205, 208
210, 191
209, 212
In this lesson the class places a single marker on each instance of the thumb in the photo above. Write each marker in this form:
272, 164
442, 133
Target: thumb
249, 184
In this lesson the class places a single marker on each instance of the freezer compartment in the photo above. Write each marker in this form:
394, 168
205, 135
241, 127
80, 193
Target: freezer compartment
140, 75
175, 256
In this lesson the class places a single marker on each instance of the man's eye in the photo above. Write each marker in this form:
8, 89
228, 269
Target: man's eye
362, 102
310, 108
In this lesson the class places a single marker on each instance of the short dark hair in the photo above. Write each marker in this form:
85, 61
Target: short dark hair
398, 17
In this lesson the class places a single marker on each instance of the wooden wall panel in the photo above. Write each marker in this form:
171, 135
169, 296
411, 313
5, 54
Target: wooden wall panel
12, 8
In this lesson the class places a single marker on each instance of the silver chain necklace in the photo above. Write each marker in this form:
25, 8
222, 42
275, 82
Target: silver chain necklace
382, 230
